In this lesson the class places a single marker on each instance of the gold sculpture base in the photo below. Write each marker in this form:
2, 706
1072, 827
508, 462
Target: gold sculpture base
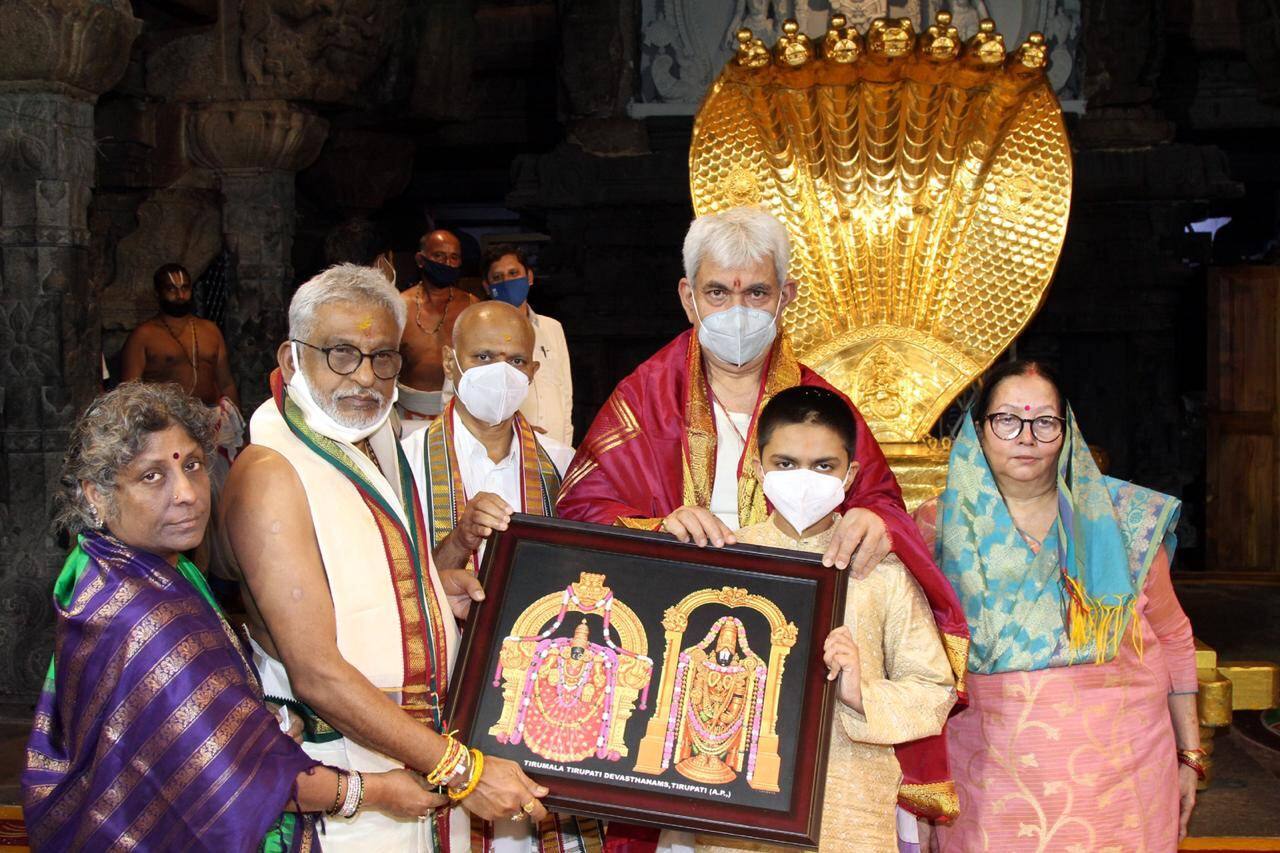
1255, 684
706, 769
1224, 687
921, 469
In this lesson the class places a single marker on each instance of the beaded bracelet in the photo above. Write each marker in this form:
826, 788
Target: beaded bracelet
452, 761
477, 768
338, 794
355, 795
461, 770
359, 799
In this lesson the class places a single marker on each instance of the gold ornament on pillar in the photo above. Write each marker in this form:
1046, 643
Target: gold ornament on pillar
925, 183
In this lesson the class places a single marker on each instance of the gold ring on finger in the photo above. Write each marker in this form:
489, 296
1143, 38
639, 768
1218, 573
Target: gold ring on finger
528, 807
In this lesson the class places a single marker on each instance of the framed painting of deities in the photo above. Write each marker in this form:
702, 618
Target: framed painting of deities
652, 682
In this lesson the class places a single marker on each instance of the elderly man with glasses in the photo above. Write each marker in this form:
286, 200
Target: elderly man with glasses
352, 627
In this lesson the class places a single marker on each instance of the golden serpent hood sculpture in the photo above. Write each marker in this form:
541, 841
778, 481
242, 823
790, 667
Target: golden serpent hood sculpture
925, 184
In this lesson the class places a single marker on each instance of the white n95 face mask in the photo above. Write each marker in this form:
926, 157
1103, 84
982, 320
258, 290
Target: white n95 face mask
319, 419
491, 392
803, 497
739, 334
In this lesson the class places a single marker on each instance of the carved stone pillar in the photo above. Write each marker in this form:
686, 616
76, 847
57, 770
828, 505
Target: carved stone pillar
357, 172
56, 57
256, 148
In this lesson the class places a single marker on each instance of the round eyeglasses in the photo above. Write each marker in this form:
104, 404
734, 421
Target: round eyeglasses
345, 359
1045, 428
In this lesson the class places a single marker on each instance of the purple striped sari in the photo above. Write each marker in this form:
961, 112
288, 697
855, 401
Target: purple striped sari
151, 733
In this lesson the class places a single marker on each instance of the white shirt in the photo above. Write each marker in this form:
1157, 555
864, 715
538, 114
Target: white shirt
550, 401
502, 478
731, 429
479, 472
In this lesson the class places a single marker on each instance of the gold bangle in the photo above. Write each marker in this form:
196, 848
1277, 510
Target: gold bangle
477, 768
449, 761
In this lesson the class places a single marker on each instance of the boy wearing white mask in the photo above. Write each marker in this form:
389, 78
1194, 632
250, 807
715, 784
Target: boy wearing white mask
895, 684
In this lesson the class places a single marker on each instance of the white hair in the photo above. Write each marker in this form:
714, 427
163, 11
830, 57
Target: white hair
739, 237
350, 283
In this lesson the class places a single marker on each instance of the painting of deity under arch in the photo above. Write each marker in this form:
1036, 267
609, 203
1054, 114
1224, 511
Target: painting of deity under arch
645, 680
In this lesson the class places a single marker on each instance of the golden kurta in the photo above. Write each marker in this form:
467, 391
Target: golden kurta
907, 691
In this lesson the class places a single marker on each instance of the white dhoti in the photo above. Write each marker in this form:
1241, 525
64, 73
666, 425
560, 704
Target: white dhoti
228, 438
368, 830
367, 620
417, 409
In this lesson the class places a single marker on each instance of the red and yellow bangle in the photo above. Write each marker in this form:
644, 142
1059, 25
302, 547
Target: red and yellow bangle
477, 768
452, 762
1196, 759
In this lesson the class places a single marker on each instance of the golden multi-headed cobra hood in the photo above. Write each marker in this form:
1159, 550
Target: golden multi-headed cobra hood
925, 184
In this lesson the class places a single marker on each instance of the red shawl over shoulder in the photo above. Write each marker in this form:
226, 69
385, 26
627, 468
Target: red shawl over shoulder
652, 449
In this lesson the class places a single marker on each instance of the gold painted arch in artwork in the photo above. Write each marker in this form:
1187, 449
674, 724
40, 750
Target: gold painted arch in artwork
782, 638
590, 592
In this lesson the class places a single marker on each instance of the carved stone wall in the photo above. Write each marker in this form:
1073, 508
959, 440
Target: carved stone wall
54, 59
256, 148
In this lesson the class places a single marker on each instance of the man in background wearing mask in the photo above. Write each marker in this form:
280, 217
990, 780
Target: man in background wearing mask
470, 463
479, 462
549, 406
433, 304
674, 446
352, 627
177, 346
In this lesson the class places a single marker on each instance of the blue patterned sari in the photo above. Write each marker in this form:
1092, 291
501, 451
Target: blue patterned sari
151, 733
1070, 602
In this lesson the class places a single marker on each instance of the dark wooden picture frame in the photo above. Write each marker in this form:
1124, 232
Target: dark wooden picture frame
538, 559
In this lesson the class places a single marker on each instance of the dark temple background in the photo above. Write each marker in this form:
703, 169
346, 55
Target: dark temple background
290, 134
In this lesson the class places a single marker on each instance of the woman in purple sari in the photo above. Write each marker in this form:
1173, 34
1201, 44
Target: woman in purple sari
151, 732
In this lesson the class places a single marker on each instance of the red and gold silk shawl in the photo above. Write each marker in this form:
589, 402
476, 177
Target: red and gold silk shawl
652, 449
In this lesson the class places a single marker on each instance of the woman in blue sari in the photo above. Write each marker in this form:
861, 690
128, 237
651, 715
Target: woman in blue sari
1081, 729
151, 732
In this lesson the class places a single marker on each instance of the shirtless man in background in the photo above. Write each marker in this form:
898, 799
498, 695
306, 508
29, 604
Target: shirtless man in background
177, 346
434, 304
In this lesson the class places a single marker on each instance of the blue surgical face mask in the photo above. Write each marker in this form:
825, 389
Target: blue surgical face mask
441, 275
513, 291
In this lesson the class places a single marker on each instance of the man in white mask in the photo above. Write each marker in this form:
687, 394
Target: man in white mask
352, 627
477, 463
669, 450
470, 463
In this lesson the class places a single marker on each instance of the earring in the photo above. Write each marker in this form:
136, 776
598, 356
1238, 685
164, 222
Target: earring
94, 519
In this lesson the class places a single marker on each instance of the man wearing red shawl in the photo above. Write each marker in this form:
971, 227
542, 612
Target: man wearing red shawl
669, 449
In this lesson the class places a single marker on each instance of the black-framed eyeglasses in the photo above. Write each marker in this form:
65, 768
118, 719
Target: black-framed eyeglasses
345, 359
1008, 426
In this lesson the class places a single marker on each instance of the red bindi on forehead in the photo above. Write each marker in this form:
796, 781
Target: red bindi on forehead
175, 456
